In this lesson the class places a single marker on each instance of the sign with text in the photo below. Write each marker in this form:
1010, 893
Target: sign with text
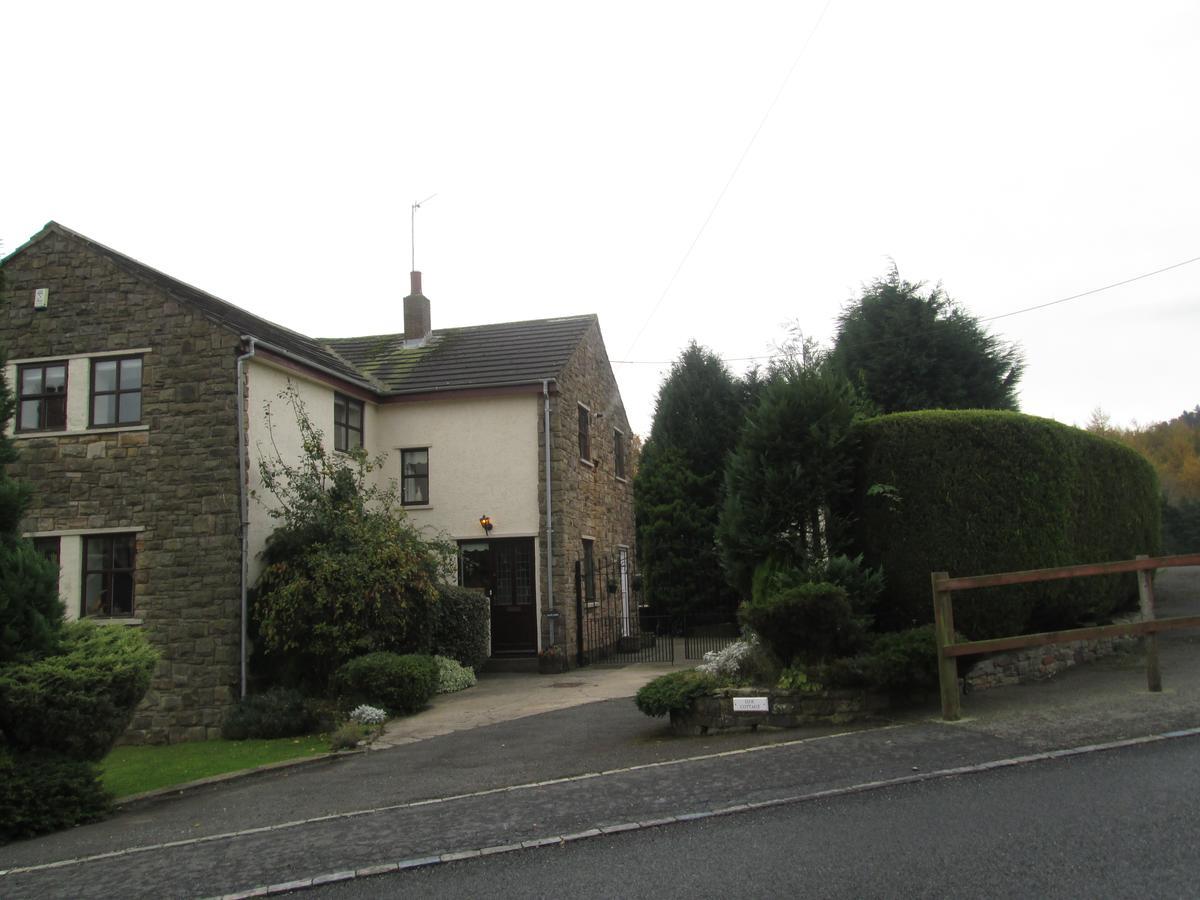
750, 704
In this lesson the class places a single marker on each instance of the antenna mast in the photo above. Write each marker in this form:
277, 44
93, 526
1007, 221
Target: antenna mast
413, 228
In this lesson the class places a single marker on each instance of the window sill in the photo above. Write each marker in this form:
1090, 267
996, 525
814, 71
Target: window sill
78, 432
416, 506
622, 479
587, 462
113, 620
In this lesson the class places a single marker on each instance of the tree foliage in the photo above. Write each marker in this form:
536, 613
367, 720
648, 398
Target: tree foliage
789, 476
31, 613
677, 489
1173, 448
908, 349
345, 574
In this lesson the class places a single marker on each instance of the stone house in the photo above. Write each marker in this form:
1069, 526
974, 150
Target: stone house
143, 461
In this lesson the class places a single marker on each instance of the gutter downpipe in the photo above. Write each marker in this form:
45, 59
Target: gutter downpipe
243, 495
551, 613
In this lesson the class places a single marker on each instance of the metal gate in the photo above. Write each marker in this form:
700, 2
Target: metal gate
615, 628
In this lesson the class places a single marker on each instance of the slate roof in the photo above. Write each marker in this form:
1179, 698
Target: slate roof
461, 358
480, 356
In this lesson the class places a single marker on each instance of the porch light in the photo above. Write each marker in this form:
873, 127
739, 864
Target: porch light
486, 523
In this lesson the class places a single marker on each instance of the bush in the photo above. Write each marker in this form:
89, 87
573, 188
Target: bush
902, 661
79, 701
462, 627
674, 691
975, 492
808, 623
401, 684
863, 585
280, 712
452, 676
42, 792
348, 736
1181, 527
345, 573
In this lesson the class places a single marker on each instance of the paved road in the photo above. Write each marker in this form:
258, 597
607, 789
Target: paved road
1120, 823
606, 765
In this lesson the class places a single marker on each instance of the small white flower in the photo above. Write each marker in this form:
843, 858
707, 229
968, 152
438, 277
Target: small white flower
369, 715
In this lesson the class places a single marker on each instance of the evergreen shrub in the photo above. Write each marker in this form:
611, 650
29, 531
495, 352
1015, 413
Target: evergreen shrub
808, 623
79, 701
974, 492
462, 629
674, 691
277, 713
403, 684
41, 792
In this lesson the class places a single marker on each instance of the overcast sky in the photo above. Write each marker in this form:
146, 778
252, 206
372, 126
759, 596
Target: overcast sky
270, 154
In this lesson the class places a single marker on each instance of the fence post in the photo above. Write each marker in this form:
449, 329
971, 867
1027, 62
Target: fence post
943, 626
1146, 603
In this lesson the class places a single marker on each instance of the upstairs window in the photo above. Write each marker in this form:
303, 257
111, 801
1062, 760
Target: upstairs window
347, 423
585, 429
414, 477
43, 397
116, 391
108, 574
618, 453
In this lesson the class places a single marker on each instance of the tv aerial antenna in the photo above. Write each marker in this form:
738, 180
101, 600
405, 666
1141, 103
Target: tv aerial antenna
413, 228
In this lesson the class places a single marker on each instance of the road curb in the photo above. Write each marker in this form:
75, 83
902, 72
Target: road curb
177, 790
603, 830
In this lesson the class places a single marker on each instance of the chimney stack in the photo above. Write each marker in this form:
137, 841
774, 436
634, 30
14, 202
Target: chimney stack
417, 324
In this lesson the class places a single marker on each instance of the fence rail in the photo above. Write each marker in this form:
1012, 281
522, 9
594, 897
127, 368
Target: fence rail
949, 650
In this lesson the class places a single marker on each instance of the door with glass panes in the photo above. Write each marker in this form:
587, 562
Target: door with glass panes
503, 570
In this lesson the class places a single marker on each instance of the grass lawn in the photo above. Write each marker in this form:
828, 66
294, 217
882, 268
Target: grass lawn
131, 770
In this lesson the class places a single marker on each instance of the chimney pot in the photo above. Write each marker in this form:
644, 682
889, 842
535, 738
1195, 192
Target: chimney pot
415, 281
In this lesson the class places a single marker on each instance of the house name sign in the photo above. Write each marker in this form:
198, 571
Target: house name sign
750, 704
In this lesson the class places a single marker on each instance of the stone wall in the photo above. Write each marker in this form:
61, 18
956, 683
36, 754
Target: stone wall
176, 479
785, 709
589, 499
1040, 663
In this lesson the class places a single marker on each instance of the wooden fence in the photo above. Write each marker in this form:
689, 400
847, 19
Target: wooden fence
949, 650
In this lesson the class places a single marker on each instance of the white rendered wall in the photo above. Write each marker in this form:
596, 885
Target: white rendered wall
265, 383
483, 460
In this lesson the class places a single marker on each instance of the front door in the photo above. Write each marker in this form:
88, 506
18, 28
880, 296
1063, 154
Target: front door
503, 570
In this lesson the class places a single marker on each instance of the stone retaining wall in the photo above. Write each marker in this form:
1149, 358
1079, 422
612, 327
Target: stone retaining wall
1040, 663
786, 709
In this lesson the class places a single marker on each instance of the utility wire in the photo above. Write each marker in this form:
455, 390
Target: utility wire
1015, 312
737, 167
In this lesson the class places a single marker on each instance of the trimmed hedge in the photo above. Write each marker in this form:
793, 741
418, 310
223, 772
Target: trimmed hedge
42, 792
462, 627
402, 684
77, 702
973, 492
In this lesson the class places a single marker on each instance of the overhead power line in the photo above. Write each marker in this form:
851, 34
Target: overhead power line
732, 175
1015, 312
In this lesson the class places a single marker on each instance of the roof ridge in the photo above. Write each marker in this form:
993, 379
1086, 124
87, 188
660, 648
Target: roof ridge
137, 263
454, 328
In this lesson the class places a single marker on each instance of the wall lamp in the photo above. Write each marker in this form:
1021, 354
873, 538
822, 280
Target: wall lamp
486, 523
